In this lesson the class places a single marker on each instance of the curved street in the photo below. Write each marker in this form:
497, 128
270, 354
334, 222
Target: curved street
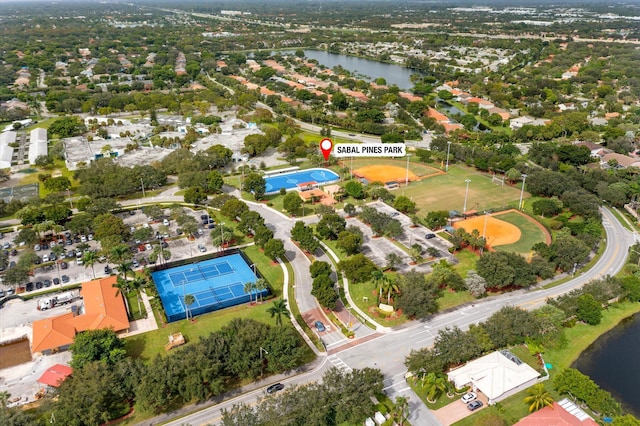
388, 351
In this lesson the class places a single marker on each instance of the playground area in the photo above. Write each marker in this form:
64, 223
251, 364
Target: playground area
214, 284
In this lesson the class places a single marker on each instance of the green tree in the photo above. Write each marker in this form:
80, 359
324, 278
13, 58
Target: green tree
292, 202
274, 249
330, 226
589, 309
354, 189
279, 309
255, 184
96, 345
436, 219
194, 196
434, 385
89, 259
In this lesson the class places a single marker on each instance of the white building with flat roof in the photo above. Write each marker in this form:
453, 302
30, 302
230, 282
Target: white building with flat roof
37, 144
6, 151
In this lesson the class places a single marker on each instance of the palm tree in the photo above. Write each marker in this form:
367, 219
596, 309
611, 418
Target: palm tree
538, 398
58, 250
435, 384
401, 408
119, 253
393, 260
125, 267
138, 284
378, 278
248, 288
261, 285
188, 301
90, 258
123, 287
392, 286
278, 309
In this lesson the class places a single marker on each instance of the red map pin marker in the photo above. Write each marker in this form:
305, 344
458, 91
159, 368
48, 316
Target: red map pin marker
326, 145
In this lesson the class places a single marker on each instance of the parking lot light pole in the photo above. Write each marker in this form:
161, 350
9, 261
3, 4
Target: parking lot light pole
466, 194
484, 231
406, 179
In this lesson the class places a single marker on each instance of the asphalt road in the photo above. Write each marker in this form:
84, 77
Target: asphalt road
387, 352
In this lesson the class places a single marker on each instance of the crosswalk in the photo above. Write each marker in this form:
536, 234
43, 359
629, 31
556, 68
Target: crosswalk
339, 363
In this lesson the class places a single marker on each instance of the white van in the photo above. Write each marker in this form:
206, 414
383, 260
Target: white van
165, 222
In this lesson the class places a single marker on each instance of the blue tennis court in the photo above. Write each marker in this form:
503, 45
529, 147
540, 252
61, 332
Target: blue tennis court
215, 284
290, 180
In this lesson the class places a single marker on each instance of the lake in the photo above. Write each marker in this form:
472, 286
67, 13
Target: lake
394, 74
612, 362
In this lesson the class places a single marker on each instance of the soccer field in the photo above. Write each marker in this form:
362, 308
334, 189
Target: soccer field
447, 191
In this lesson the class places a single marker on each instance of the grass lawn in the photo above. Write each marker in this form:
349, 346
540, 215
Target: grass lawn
447, 192
466, 261
450, 299
132, 300
361, 291
531, 234
273, 274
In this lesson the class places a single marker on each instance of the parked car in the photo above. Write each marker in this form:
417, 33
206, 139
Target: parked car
211, 225
13, 252
56, 281
45, 258
107, 270
64, 265
37, 247
275, 388
202, 248
39, 285
468, 397
472, 406
65, 279
320, 326
69, 242
2, 292
165, 222
135, 263
200, 232
430, 236
29, 286
148, 247
47, 283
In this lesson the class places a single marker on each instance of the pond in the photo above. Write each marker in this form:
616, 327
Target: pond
612, 362
394, 74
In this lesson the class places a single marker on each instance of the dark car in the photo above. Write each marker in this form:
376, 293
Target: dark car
64, 265
39, 285
319, 326
430, 236
275, 388
204, 217
47, 283
56, 281
13, 252
211, 225
472, 406
65, 279
69, 242
107, 270
29, 286
132, 212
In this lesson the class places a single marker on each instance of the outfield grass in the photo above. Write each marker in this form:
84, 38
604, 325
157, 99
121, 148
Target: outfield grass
447, 192
419, 168
531, 234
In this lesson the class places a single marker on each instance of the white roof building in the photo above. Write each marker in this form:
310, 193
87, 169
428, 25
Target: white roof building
497, 375
6, 151
37, 144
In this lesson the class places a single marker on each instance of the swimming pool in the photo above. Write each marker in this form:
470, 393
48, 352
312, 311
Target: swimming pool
215, 284
290, 180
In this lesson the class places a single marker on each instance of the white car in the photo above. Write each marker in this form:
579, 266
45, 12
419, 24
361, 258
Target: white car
468, 397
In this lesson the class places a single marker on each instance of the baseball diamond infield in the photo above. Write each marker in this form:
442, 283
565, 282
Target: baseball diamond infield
499, 232
385, 173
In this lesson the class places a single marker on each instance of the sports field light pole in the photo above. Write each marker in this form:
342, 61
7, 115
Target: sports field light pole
484, 231
406, 178
466, 194
446, 169
524, 179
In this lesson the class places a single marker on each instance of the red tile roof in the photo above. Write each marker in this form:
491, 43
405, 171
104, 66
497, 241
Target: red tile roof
554, 416
55, 375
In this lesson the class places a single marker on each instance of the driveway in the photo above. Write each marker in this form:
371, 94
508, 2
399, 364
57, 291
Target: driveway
457, 410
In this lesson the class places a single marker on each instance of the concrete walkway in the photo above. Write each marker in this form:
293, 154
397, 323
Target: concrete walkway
143, 325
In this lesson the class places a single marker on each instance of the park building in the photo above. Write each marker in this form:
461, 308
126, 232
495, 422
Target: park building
6, 150
37, 144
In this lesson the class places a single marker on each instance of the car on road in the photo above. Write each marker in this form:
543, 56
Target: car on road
472, 406
319, 326
352, 134
202, 248
65, 279
468, 397
430, 236
275, 388
394, 214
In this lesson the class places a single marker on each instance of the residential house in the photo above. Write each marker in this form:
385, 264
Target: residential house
619, 161
498, 375
561, 413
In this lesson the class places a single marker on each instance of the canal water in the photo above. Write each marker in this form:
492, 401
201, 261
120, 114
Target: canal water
394, 74
612, 362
